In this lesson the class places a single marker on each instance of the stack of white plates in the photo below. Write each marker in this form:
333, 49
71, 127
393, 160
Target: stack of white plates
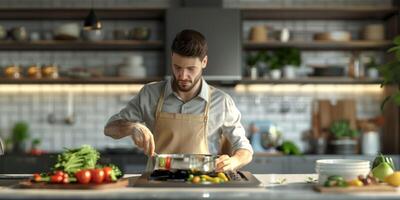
347, 168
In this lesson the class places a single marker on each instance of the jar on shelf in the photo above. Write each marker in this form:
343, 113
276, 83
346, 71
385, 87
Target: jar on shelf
34, 71
50, 71
12, 71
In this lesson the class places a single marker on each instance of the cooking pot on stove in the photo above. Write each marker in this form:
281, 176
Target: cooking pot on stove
195, 162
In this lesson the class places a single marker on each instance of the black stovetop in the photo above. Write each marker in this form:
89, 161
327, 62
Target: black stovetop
164, 178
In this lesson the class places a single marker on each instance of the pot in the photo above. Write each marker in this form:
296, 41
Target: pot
197, 162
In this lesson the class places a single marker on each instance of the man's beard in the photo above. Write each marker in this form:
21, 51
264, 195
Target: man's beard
179, 83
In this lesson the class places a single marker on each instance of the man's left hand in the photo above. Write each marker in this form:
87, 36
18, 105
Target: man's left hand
226, 163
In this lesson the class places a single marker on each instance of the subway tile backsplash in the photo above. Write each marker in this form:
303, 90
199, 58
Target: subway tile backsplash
291, 111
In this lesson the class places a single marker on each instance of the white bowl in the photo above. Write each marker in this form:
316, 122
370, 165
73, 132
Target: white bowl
342, 163
347, 168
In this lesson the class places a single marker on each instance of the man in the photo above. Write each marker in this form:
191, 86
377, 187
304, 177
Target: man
184, 114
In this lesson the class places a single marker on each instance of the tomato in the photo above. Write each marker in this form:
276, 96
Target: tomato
56, 179
59, 173
168, 163
83, 176
65, 180
37, 177
97, 175
107, 174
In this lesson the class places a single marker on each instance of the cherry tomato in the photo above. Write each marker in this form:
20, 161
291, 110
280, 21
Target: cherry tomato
107, 174
37, 177
56, 179
97, 175
65, 180
83, 176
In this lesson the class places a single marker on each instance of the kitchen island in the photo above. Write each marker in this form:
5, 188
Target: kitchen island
274, 186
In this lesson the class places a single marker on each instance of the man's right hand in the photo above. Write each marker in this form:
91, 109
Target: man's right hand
143, 138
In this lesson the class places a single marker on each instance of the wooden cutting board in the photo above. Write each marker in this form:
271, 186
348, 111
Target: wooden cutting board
75, 186
352, 189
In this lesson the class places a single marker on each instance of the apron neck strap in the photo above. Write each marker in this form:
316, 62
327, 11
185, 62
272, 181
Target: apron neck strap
161, 102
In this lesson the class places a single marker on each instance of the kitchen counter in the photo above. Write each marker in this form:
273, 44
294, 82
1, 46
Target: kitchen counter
275, 186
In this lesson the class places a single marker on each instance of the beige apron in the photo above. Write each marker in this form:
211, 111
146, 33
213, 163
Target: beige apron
176, 133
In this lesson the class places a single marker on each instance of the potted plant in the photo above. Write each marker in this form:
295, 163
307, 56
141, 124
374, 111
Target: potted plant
20, 133
252, 61
391, 73
291, 61
372, 68
288, 59
344, 139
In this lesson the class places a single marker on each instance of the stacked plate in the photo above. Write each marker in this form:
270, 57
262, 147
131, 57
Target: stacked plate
347, 168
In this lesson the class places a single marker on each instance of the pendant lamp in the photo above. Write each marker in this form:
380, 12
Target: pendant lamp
91, 22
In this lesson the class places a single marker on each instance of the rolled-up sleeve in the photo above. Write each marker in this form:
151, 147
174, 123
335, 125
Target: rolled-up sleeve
232, 129
132, 111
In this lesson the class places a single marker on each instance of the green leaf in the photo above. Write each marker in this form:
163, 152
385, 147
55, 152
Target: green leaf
396, 40
396, 98
395, 48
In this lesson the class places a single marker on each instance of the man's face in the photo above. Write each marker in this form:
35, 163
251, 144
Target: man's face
187, 71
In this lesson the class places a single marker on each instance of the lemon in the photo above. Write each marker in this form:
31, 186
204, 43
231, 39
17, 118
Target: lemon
393, 179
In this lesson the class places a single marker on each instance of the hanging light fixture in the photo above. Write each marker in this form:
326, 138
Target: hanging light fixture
91, 22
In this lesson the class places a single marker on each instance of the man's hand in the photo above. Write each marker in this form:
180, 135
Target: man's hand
240, 158
226, 163
143, 138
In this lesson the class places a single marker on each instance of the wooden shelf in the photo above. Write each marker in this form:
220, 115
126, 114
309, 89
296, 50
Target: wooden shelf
320, 45
80, 14
301, 13
82, 45
94, 80
312, 80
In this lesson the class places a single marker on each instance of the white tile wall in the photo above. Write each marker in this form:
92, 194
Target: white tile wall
290, 111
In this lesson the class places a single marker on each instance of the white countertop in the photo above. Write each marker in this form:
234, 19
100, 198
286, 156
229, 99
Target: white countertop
274, 186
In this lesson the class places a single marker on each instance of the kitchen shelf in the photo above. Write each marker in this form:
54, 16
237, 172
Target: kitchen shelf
97, 80
80, 14
82, 45
312, 80
320, 45
318, 13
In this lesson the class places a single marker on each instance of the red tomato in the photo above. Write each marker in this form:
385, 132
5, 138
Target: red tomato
56, 179
97, 175
168, 163
59, 173
107, 174
83, 176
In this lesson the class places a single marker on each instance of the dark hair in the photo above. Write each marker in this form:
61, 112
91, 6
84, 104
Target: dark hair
190, 43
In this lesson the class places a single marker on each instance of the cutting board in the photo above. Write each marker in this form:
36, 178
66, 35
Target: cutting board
352, 189
75, 186
327, 113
